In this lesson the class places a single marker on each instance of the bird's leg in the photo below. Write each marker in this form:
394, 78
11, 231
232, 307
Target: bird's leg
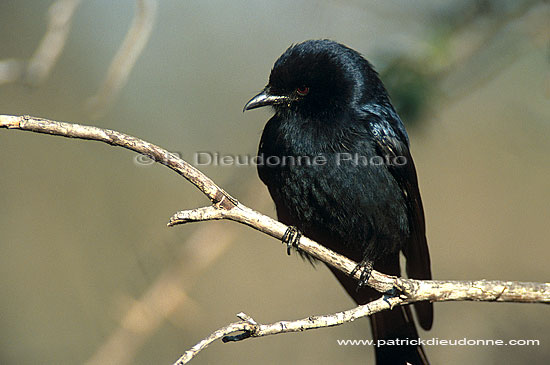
365, 266
291, 238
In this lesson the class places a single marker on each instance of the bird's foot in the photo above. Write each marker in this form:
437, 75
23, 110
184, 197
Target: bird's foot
365, 267
291, 238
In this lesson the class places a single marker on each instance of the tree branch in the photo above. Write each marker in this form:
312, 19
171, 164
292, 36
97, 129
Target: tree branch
114, 138
46, 55
398, 291
410, 291
251, 328
127, 55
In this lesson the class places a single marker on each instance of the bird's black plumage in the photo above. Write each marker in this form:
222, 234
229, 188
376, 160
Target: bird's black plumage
338, 167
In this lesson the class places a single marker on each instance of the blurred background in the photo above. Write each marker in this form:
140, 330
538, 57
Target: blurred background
89, 272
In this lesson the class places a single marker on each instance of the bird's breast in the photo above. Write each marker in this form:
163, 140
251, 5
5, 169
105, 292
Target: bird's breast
328, 187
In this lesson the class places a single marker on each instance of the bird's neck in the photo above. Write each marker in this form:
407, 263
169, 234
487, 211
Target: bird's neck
298, 136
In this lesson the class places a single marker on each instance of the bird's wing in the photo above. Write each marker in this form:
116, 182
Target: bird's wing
390, 143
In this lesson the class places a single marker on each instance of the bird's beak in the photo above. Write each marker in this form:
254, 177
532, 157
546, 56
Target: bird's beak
264, 98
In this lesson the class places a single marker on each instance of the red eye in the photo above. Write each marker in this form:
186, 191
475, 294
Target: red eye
302, 91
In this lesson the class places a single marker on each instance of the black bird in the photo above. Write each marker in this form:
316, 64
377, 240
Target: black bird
338, 167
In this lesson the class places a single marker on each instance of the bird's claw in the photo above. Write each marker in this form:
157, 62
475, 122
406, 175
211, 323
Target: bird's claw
291, 238
365, 267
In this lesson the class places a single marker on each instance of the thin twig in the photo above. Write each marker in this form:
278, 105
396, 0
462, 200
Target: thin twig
437, 291
71, 130
251, 328
46, 55
125, 58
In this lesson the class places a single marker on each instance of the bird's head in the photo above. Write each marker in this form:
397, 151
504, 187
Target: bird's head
319, 78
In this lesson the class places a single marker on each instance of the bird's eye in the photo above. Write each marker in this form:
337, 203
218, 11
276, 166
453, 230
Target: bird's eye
302, 91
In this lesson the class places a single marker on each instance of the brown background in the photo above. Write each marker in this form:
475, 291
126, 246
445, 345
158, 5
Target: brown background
82, 226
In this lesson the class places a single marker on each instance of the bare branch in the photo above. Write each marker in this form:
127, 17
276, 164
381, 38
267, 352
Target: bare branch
412, 291
44, 58
126, 57
216, 335
197, 215
398, 291
39, 66
224, 206
250, 328
70, 130
242, 214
